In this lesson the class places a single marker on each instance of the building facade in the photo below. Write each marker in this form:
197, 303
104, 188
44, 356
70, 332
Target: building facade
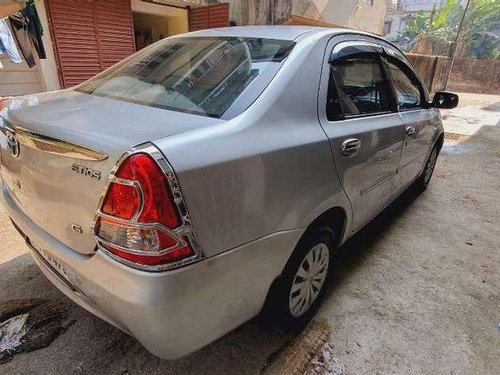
366, 15
84, 37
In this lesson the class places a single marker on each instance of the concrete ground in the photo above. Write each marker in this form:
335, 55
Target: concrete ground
417, 291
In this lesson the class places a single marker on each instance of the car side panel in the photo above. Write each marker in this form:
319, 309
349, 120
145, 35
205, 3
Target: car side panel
416, 146
437, 131
368, 176
266, 171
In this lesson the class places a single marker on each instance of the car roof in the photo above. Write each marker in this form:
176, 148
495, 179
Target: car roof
270, 32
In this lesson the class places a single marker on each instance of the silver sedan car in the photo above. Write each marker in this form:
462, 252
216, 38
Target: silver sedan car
210, 177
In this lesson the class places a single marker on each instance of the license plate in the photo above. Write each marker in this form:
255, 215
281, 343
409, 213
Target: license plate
57, 265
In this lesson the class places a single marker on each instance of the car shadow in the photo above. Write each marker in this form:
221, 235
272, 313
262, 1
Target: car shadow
363, 243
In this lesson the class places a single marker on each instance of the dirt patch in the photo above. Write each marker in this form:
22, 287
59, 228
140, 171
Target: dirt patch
27, 325
325, 363
495, 107
309, 353
455, 137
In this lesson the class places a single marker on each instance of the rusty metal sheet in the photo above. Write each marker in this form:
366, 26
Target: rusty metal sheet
209, 16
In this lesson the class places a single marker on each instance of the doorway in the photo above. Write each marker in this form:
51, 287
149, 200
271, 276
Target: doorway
149, 28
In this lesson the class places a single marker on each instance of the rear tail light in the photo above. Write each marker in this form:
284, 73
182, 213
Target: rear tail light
121, 201
139, 223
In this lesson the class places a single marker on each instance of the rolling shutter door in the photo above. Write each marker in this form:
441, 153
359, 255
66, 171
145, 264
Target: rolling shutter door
115, 31
89, 36
75, 40
209, 16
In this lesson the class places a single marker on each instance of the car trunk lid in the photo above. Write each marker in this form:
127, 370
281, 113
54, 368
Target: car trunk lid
57, 151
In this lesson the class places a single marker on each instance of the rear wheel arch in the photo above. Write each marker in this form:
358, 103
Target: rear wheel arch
333, 220
421, 182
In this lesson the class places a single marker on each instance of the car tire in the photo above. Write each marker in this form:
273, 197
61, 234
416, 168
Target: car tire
297, 293
423, 180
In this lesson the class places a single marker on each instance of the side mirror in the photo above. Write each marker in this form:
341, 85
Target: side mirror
445, 100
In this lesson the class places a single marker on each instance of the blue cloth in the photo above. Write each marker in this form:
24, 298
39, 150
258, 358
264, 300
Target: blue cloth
7, 44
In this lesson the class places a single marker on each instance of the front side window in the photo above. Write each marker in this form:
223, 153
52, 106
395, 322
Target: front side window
361, 88
406, 89
200, 75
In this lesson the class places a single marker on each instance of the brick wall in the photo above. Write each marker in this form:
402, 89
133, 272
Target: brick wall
476, 76
468, 75
432, 69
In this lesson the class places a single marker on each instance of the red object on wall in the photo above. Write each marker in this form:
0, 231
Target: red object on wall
209, 16
89, 36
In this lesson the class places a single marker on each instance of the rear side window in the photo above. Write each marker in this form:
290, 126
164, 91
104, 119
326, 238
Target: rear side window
361, 88
200, 75
406, 87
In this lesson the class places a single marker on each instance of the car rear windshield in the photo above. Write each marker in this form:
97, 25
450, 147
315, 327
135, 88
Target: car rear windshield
210, 76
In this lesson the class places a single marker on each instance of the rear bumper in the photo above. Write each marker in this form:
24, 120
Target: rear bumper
171, 313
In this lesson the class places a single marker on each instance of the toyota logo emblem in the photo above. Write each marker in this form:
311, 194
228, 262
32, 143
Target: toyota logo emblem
13, 144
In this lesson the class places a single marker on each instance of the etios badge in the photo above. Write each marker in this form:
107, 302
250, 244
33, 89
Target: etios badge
85, 171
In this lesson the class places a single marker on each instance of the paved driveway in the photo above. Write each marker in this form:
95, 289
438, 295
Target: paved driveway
418, 291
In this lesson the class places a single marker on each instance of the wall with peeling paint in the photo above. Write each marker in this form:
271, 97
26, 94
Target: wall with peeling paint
366, 15
259, 12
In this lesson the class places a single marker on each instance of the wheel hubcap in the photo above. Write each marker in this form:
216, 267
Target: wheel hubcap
430, 165
309, 280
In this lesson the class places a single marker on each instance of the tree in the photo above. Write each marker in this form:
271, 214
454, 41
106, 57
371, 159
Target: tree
480, 35
428, 29
435, 32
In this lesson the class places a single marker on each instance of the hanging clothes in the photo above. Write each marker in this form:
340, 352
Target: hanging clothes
20, 27
7, 44
35, 28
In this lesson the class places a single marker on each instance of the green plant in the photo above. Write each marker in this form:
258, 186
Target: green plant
480, 35
433, 26
435, 32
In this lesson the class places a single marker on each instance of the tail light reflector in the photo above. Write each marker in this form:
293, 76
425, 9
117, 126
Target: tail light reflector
158, 205
170, 257
138, 220
129, 236
121, 201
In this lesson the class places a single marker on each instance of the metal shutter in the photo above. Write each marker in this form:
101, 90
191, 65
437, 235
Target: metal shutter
209, 16
115, 30
89, 36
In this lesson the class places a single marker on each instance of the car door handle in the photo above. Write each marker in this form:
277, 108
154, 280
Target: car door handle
410, 130
350, 146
